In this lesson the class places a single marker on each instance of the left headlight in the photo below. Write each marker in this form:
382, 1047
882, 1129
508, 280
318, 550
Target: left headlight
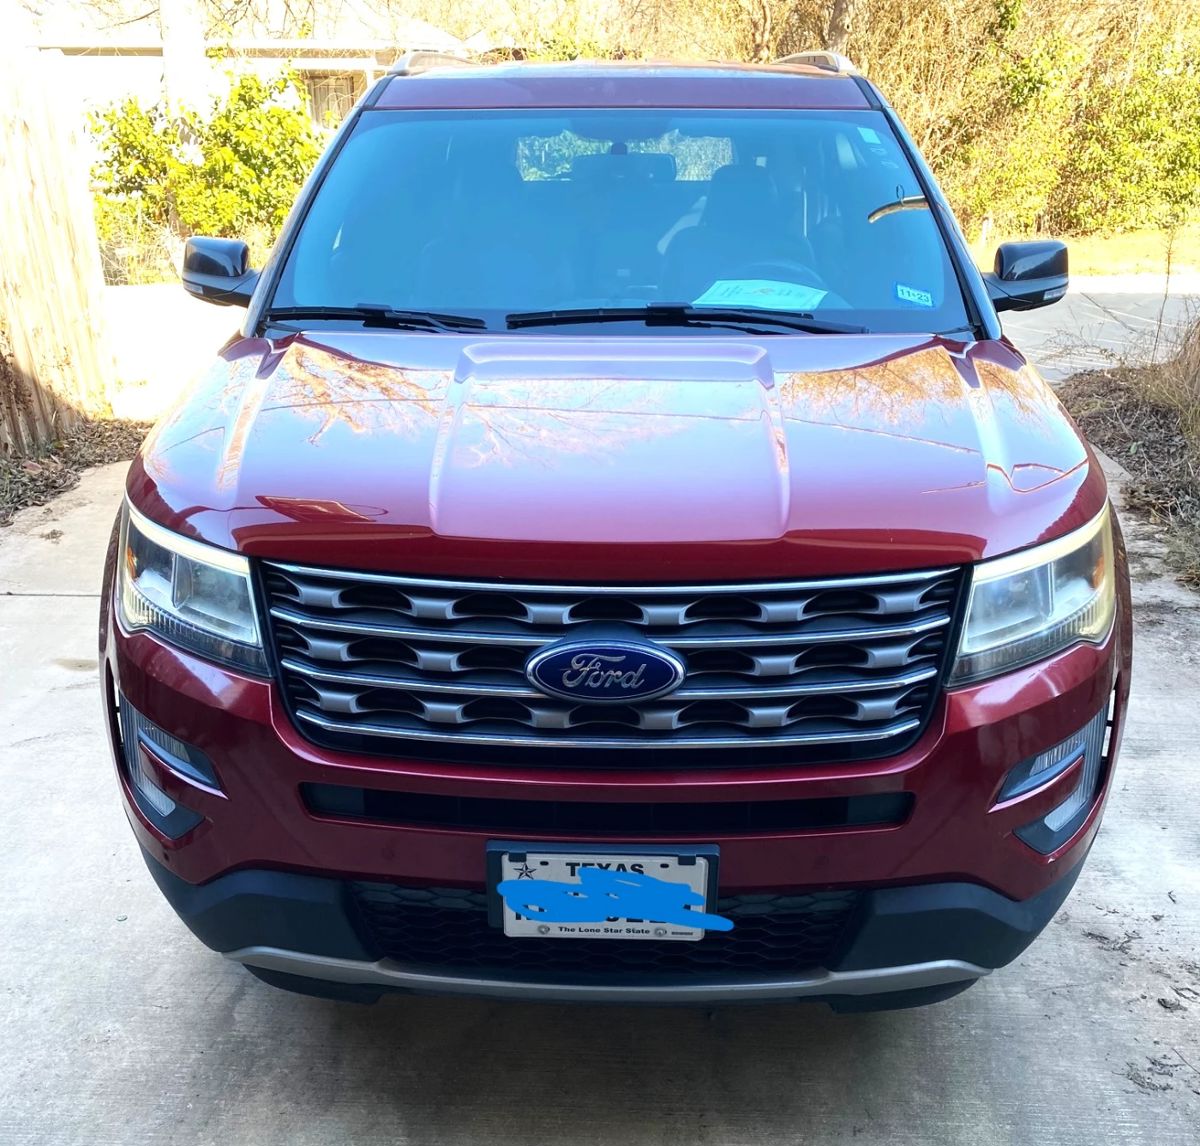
191, 594
1030, 605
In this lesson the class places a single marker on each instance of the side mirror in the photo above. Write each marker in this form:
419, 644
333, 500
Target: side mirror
218, 271
1028, 275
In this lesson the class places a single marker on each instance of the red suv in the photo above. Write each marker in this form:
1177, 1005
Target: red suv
620, 557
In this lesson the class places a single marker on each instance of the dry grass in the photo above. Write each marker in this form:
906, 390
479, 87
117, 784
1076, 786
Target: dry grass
34, 481
1148, 419
1133, 252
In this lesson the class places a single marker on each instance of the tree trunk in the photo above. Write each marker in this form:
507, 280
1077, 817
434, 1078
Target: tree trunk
843, 16
761, 19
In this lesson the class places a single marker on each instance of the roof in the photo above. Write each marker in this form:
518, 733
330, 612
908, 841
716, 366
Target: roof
625, 85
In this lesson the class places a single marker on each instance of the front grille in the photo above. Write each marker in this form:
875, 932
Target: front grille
847, 668
448, 929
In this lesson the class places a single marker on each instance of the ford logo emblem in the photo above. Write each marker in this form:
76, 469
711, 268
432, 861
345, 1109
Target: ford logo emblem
605, 672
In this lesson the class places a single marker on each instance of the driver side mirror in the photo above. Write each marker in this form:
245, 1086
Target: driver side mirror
218, 271
1028, 275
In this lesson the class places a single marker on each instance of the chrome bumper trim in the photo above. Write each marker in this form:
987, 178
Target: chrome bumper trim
387, 973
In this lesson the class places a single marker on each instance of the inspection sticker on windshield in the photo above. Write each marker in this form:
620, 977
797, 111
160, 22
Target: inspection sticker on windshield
761, 292
913, 295
558, 891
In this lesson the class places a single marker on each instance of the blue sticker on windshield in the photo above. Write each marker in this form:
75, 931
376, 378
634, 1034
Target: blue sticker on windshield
913, 295
601, 895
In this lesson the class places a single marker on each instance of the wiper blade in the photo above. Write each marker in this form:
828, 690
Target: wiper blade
681, 314
372, 314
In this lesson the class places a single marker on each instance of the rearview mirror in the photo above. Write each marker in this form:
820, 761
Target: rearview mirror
1028, 275
218, 271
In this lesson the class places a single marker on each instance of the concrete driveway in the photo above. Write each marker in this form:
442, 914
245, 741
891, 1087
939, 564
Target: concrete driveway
117, 1027
1104, 319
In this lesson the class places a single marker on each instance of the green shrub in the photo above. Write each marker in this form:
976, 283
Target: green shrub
232, 171
1008, 164
1133, 156
134, 249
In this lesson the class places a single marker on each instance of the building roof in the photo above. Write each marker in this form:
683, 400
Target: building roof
349, 27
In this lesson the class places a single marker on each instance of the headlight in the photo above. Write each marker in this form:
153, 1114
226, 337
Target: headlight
191, 594
1030, 605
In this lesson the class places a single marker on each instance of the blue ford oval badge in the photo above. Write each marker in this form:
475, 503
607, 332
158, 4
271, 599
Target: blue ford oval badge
605, 672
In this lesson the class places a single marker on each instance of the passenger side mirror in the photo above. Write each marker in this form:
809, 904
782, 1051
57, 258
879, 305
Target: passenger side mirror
1028, 275
218, 271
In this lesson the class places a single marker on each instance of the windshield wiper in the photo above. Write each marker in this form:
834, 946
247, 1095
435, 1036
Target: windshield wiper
373, 314
681, 314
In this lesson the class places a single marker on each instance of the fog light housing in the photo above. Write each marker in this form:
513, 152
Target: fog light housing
1058, 825
164, 812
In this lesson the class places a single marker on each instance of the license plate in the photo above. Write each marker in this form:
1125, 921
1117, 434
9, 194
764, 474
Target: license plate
561, 891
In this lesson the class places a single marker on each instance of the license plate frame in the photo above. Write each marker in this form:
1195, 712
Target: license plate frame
503, 857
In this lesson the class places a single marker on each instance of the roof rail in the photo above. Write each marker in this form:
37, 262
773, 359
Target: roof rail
421, 61
827, 61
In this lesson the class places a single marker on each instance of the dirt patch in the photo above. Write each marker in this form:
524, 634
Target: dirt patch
1145, 1079
1121, 946
1148, 419
34, 481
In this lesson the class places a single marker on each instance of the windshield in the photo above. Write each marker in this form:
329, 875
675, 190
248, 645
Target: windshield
491, 214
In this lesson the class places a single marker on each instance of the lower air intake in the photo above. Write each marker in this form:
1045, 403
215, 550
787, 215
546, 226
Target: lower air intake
448, 929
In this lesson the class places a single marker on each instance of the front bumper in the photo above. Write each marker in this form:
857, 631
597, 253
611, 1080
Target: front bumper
902, 939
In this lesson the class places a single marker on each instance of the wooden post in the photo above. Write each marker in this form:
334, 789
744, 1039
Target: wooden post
55, 364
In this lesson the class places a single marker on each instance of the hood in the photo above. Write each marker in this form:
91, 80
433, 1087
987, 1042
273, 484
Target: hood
639, 458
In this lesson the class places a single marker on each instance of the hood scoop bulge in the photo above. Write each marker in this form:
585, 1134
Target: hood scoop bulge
638, 445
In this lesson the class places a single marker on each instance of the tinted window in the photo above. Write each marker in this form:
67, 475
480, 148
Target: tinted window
486, 213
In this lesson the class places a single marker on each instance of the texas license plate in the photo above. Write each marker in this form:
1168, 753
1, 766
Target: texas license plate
560, 891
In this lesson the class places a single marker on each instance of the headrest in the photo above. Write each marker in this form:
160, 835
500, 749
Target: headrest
740, 194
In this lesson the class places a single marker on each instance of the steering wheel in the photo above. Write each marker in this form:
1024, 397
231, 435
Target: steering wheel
781, 270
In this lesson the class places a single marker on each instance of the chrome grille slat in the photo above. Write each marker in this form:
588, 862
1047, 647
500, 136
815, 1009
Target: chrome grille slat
371, 659
651, 716
478, 637
382, 680
400, 581
855, 735
785, 610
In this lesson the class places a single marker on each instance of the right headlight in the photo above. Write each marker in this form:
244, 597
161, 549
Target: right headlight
1029, 605
189, 593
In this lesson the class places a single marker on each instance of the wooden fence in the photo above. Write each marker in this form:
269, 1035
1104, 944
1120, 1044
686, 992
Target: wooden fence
55, 364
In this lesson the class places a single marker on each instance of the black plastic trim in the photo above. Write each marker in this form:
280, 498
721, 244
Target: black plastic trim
902, 925
870, 92
638, 820
272, 908
891, 927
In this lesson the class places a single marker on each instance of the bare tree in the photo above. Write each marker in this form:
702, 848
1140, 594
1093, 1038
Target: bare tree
843, 19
